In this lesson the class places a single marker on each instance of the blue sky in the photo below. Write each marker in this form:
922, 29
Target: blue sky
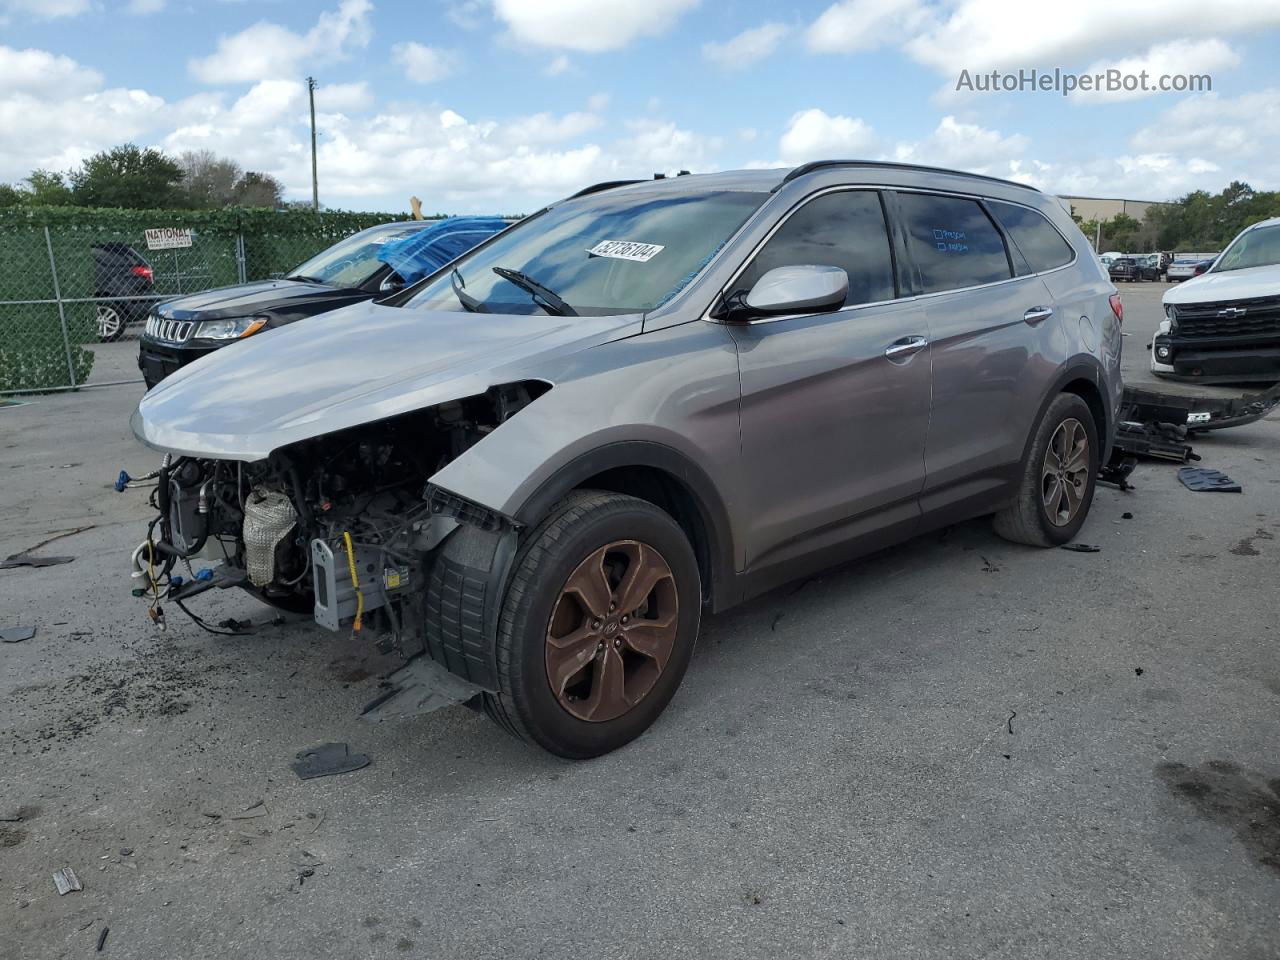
500, 105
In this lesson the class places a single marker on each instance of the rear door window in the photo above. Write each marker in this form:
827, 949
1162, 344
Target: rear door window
953, 241
844, 229
1040, 244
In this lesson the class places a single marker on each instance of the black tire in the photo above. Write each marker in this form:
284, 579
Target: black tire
1027, 518
576, 529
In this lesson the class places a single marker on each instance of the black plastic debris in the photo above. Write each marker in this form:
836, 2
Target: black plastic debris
1081, 548
16, 634
27, 560
102, 938
1202, 478
327, 760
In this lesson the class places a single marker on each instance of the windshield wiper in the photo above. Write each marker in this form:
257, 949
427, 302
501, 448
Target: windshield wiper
469, 303
305, 279
549, 300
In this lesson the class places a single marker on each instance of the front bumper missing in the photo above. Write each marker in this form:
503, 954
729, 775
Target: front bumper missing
1155, 424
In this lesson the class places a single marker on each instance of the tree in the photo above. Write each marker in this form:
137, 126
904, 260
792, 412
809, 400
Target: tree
1121, 231
128, 176
256, 189
1202, 222
11, 196
48, 189
207, 179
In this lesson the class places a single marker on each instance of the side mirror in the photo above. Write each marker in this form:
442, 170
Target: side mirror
805, 288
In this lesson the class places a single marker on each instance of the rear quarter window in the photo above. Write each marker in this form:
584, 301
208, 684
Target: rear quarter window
1040, 246
953, 241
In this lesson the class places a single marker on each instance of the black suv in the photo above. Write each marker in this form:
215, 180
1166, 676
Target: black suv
353, 270
1123, 268
120, 276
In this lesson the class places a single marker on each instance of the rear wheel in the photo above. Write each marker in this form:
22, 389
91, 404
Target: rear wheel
597, 626
1058, 477
111, 323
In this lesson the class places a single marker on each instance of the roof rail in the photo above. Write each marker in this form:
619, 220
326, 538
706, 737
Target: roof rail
598, 187
814, 166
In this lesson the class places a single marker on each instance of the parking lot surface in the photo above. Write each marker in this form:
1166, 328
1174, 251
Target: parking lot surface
955, 748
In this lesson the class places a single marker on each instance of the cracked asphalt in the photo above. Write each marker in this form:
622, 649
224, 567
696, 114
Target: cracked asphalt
955, 748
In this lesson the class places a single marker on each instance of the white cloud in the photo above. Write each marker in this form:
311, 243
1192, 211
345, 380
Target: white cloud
1166, 59
1244, 128
142, 7
983, 35
343, 97
660, 146
746, 48
42, 9
38, 71
557, 66
423, 64
267, 50
854, 25
548, 128
56, 133
592, 26
467, 14
964, 146
814, 135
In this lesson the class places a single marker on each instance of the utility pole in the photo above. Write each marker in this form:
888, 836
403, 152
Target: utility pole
315, 181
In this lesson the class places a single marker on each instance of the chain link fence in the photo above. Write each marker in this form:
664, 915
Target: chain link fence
75, 290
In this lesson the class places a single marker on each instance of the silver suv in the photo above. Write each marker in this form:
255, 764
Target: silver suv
534, 470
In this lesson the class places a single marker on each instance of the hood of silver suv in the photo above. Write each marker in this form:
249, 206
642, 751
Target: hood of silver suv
355, 365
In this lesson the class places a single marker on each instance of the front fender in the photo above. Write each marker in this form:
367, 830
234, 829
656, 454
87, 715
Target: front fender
667, 399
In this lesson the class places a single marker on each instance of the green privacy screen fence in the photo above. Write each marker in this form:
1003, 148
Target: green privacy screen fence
72, 279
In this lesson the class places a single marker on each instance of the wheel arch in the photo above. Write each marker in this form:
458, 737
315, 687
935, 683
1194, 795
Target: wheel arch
664, 477
1082, 378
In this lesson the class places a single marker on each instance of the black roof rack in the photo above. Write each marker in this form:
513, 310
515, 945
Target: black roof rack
807, 168
598, 187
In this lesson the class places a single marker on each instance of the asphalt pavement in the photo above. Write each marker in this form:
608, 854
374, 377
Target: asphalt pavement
955, 748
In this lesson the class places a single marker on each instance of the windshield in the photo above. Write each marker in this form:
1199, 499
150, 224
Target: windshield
627, 252
353, 261
1255, 248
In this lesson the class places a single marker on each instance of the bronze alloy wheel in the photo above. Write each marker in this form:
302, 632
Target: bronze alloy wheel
612, 630
1064, 477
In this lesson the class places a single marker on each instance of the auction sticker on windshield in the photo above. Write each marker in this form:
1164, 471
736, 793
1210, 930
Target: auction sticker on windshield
626, 250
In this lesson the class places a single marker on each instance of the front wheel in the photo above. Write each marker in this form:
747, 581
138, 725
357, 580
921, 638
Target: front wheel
597, 626
1058, 477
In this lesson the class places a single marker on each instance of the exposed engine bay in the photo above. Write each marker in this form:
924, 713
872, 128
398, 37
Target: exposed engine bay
343, 525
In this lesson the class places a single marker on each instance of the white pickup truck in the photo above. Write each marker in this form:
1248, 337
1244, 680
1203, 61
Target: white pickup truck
1224, 325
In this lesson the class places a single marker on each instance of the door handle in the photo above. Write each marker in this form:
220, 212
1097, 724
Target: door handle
902, 350
1035, 314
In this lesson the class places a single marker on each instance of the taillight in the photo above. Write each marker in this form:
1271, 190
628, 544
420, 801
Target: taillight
143, 272
1117, 307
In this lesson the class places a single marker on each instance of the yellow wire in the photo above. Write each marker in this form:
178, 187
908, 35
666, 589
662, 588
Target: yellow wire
356, 625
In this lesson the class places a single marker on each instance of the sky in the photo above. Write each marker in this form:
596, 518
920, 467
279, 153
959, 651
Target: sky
498, 106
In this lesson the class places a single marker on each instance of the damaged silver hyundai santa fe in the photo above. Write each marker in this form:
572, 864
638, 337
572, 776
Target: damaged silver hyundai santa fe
532, 471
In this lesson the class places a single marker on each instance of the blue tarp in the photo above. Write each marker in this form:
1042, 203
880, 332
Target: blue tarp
427, 250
